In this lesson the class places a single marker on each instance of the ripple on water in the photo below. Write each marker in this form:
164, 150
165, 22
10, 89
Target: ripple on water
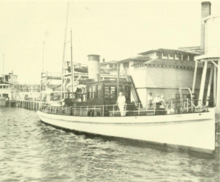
31, 151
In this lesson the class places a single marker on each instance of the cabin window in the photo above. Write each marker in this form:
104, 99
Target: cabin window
94, 92
107, 92
90, 92
112, 92
99, 88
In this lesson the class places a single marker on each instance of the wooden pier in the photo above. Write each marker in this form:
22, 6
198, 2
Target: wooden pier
28, 104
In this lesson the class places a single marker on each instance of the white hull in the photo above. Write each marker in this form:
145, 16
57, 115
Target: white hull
195, 131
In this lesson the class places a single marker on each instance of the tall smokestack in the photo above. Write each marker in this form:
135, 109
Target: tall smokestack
205, 11
94, 67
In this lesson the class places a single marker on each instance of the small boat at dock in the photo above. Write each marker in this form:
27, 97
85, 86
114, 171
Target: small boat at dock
193, 128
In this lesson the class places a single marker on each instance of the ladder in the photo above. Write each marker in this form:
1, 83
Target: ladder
134, 91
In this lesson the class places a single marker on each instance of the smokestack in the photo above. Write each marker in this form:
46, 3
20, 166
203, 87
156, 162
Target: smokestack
94, 67
103, 60
205, 11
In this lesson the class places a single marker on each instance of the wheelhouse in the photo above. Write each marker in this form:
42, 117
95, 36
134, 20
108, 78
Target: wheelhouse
105, 92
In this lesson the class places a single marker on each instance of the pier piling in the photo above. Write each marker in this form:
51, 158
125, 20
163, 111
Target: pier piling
30, 105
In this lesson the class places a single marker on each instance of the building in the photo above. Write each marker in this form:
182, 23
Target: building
161, 71
210, 57
164, 71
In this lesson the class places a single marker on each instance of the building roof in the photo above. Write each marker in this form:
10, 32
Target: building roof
140, 61
172, 63
169, 51
192, 49
136, 59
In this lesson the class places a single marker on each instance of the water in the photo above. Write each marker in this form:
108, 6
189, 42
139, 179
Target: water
33, 152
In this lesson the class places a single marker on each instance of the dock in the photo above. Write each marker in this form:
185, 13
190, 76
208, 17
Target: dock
26, 104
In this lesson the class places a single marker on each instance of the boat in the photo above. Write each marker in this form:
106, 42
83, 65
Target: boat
93, 110
7, 82
194, 131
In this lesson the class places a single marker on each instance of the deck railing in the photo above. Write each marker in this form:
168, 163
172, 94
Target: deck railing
186, 105
169, 107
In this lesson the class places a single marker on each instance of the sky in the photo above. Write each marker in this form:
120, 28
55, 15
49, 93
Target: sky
115, 30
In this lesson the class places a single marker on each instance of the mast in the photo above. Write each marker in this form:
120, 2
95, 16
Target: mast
41, 96
72, 67
64, 48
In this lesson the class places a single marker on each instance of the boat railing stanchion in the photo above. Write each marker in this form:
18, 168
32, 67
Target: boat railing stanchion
113, 110
154, 108
95, 112
103, 110
187, 109
80, 111
139, 108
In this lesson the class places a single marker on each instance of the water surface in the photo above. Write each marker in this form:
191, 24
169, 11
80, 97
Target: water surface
31, 151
